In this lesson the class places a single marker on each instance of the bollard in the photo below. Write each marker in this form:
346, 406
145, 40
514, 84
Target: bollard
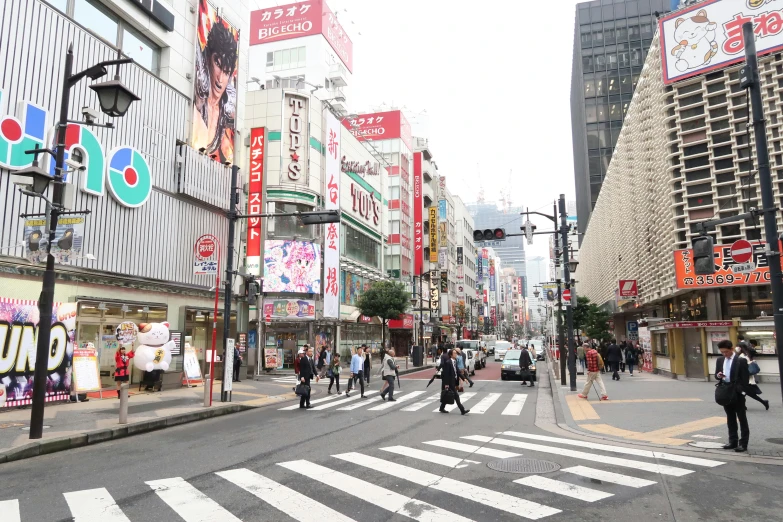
207, 391
124, 403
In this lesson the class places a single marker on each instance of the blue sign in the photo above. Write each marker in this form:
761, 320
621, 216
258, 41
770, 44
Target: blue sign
442, 210
632, 326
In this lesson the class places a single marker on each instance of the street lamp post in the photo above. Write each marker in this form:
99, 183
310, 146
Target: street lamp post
569, 306
115, 99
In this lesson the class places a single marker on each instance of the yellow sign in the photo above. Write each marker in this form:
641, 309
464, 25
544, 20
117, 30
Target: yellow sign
433, 234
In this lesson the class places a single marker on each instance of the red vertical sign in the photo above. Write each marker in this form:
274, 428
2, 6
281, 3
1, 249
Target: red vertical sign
255, 200
418, 211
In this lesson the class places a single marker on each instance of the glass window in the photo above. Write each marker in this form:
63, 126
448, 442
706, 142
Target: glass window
623, 59
625, 83
611, 60
286, 57
662, 347
594, 165
361, 248
143, 52
302, 56
585, 35
62, 5
96, 20
615, 111
589, 87
590, 112
634, 32
600, 85
278, 60
621, 30
270, 59
602, 110
609, 34
600, 62
637, 57
587, 63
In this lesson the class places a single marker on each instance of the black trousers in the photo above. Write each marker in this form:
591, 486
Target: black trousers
366, 375
334, 378
615, 369
352, 381
304, 400
390, 389
734, 413
465, 376
237, 366
456, 398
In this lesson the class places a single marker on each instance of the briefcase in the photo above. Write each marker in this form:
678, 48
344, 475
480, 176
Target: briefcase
302, 389
447, 396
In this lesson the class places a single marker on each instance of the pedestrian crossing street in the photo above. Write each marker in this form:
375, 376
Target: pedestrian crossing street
479, 403
291, 492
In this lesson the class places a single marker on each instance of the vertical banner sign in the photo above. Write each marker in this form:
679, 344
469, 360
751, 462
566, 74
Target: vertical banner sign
418, 211
295, 135
255, 197
332, 239
205, 252
433, 235
460, 256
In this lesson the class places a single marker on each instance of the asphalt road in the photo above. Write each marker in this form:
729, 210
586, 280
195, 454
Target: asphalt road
379, 462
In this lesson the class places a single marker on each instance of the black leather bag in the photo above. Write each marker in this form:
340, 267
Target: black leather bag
447, 396
302, 389
725, 393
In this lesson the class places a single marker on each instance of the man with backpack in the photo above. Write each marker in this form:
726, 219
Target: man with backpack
594, 365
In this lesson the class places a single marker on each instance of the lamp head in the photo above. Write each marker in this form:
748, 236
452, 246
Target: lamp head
33, 178
114, 97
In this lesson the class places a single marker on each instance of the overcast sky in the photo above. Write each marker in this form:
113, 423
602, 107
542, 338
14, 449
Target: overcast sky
494, 79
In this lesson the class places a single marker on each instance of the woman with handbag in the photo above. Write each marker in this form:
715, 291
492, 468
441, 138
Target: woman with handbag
752, 391
334, 373
448, 394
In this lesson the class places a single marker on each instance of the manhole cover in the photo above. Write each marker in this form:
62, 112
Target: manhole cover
775, 441
706, 445
517, 465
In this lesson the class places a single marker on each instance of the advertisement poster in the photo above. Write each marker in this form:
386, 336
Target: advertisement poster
685, 276
255, 200
381, 126
205, 255
18, 331
292, 266
68, 239
190, 365
289, 308
228, 365
270, 358
281, 360
645, 342
86, 373
215, 85
418, 216
332, 239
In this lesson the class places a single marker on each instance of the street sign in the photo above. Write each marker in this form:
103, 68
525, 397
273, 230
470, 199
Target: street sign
206, 255
743, 267
268, 319
741, 251
567, 296
629, 288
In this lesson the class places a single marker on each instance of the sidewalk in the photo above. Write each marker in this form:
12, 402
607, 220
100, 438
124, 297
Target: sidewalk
660, 410
69, 425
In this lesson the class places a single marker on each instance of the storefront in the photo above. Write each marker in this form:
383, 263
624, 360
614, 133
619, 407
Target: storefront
401, 334
688, 349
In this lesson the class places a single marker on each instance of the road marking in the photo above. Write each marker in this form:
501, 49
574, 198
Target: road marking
581, 409
10, 510
382, 497
463, 398
336, 403
630, 401
707, 436
618, 449
94, 505
428, 456
292, 503
188, 502
416, 406
517, 506
613, 431
403, 398
515, 405
608, 476
470, 448
361, 403
626, 463
563, 488
295, 406
681, 429
484, 404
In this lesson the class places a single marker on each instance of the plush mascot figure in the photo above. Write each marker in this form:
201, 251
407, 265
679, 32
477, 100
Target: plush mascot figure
154, 351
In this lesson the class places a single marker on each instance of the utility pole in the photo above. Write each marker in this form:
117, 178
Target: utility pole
765, 182
569, 305
232, 220
560, 336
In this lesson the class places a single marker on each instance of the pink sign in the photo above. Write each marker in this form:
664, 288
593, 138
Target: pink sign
404, 322
381, 126
301, 19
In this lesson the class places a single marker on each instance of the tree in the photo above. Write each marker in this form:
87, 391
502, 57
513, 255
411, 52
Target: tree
461, 316
580, 313
591, 319
384, 299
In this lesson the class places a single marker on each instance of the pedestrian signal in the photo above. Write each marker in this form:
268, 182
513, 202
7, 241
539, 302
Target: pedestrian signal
703, 256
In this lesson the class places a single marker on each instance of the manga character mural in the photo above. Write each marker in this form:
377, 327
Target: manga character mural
292, 266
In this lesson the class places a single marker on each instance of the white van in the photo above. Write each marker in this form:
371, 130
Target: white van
501, 347
489, 342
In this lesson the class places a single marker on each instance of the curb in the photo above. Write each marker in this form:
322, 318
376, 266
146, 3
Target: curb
564, 424
55, 444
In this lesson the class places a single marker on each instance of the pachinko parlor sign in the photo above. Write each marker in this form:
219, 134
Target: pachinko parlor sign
123, 170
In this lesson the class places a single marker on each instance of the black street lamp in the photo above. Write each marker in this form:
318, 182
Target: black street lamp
115, 99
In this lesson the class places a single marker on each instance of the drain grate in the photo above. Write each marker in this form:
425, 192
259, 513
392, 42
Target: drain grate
775, 441
522, 466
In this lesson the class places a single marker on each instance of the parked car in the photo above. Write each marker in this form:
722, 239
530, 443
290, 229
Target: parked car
510, 367
478, 352
501, 347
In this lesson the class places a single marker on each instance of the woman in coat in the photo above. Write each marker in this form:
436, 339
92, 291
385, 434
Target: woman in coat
334, 373
449, 381
367, 364
122, 370
753, 391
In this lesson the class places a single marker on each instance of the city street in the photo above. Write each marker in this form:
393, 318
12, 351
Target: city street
363, 459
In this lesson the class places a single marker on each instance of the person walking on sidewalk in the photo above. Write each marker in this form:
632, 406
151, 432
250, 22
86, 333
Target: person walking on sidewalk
525, 362
462, 371
334, 373
388, 373
449, 381
753, 391
614, 355
630, 357
367, 364
734, 370
594, 365
357, 371
121, 362
306, 373
580, 354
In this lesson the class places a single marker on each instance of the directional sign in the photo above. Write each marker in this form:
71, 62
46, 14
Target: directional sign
741, 251
567, 296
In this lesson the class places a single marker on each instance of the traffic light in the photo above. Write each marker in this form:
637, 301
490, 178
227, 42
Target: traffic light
319, 216
498, 234
253, 290
528, 228
703, 257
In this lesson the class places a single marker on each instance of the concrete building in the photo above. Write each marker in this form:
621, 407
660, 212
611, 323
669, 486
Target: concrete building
537, 269
611, 40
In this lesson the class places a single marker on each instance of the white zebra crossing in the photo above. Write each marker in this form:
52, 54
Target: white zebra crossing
515, 405
470, 448
316, 401
362, 402
402, 398
465, 397
342, 401
483, 405
608, 476
94, 505
188, 502
10, 510
422, 404
429, 456
563, 488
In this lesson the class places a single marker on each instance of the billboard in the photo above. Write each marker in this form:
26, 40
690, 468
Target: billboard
18, 333
295, 135
217, 54
381, 126
418, 218
68, 239
332, 239
433, 235
292, 266
724, 275
280, 308
708, 35
307, 18
255, 197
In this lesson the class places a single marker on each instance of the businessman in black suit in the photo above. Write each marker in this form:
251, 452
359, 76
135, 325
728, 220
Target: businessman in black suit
306, 372
734, 369
449, 380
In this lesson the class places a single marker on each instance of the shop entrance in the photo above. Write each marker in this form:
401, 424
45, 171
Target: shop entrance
694, 360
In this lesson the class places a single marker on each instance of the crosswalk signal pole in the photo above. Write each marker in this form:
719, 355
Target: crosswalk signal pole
570, 305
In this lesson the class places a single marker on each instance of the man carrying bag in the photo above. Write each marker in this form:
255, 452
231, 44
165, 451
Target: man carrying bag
733, 378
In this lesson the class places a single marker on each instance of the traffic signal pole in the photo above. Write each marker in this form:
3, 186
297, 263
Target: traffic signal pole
569, 306
560, 335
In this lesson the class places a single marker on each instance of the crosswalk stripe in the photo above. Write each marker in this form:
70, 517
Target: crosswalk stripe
563, 488
277, 495
618, 449
344, 400
515, 405
382, 497
361, 403
608, 476
416, 406
94, 505
295, 406
483, 405
402, 398
10, 510
427, 456
497, 500
470, 448
188, 502
627, 463
466, 396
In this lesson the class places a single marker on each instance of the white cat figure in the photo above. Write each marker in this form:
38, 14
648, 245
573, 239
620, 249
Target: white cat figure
154, 352
696, 37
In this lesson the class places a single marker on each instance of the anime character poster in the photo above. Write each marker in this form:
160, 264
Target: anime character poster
215, 85
292, 266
